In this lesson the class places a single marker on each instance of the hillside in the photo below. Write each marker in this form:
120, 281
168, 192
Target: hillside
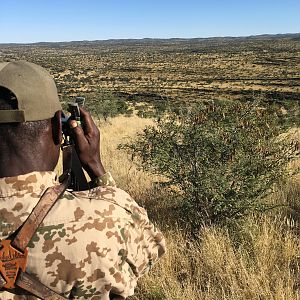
176, 69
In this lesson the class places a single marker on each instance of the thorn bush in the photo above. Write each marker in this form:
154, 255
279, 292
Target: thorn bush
219, 158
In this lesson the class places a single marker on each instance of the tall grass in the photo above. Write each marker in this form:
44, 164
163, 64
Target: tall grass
264, 265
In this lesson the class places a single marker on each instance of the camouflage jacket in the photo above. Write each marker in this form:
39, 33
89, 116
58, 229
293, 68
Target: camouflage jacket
91, 244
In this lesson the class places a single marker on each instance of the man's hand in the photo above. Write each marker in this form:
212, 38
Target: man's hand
87, 144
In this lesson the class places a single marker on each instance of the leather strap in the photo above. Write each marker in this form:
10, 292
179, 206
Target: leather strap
30, 284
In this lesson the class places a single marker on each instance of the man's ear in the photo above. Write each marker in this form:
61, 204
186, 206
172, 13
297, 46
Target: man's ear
57, 128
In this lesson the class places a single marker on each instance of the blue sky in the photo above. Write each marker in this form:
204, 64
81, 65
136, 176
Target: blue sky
65, 20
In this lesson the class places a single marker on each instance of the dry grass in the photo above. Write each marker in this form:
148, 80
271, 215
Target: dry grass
189, 70
262, 265
258, 259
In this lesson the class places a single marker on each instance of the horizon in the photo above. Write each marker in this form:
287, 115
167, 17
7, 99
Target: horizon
154, 38
26, 22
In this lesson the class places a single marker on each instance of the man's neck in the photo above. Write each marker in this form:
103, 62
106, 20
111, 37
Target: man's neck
11, 166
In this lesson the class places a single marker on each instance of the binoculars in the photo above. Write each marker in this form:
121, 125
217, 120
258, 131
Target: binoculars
73, 109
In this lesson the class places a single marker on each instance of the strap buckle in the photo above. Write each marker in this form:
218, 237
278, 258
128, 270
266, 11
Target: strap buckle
11, 261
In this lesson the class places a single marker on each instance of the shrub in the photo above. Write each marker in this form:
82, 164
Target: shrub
219, 158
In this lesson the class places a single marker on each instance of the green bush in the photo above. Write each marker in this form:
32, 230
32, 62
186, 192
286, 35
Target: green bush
219, 158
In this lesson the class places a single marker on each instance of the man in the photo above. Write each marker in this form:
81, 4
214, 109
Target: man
93, 244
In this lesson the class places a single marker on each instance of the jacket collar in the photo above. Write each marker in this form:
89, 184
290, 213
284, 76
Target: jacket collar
32, 182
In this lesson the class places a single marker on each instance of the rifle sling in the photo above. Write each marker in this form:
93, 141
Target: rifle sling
32, 285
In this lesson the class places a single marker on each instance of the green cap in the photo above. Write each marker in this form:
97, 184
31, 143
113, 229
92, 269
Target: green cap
34, 89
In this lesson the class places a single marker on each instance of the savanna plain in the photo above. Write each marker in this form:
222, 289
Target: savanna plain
131, 84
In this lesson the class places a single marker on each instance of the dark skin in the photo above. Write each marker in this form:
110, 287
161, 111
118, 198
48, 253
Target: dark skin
46, 154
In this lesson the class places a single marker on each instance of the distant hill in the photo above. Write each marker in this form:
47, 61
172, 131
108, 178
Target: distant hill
289, 36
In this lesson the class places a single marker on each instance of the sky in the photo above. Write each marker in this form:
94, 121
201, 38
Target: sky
28, 21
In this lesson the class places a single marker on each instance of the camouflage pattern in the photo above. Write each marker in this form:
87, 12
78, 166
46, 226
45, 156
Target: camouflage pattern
104, 180
91, 243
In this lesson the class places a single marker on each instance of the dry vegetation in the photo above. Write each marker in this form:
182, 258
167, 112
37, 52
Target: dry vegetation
144, 70
258, 258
